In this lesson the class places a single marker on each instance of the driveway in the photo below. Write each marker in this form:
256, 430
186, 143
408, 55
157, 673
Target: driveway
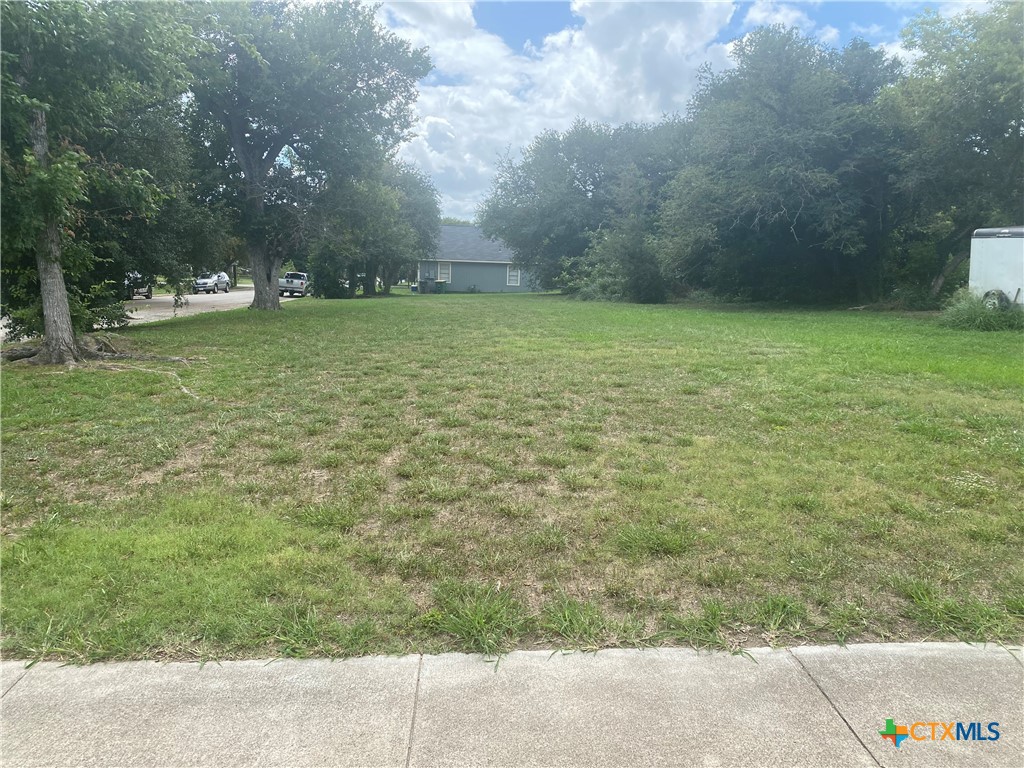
162, 307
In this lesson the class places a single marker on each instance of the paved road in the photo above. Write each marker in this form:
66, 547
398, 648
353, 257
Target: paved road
162, 307
811, 706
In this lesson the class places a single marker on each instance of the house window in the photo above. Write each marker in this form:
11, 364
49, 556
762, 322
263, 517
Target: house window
444, 271
513, 276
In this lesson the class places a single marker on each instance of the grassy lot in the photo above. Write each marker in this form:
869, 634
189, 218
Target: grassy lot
490, 472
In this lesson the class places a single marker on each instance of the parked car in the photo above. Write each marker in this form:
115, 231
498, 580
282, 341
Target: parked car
211, 282
293, 283
136, 285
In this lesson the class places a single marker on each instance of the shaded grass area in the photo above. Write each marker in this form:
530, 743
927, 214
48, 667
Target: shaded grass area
490, 472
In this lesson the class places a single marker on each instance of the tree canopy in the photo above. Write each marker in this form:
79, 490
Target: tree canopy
160, 138
157, 138
323, 80
78, 81
802, 173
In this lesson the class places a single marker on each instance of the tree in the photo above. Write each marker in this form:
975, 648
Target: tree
419, 210
67, 70
961, 117
787, 179
544, 206
374, 227
561, 207
621, 262
324, 80
187, 229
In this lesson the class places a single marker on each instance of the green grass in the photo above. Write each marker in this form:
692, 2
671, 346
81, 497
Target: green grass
482, 618
705, 629
967, 311
490, 472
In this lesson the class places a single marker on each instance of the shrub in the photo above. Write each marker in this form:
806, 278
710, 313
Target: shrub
968, 312
912, 298
621, 265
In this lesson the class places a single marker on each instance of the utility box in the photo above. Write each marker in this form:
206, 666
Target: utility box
997, 265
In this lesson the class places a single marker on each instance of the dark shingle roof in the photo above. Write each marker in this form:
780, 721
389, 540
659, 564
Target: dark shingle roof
469, 244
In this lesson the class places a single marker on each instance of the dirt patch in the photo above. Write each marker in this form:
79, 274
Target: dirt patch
187, 464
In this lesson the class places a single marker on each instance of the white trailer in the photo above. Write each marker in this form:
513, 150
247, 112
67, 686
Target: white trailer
997, 265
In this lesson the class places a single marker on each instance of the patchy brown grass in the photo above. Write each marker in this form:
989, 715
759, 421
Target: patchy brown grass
577, 474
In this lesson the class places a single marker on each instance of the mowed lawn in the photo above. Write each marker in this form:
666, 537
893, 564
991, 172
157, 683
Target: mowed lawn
490, 472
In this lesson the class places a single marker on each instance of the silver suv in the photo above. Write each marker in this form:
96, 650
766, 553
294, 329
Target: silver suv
136, 285
211, 282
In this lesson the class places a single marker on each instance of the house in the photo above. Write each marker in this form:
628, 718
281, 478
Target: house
469, 262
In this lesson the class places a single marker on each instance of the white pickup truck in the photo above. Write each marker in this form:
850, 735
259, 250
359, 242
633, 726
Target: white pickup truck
293, 283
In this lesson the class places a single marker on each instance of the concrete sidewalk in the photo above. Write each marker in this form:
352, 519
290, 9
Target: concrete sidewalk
811, 706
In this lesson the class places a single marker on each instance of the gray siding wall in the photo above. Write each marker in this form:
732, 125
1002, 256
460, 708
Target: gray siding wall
488, 278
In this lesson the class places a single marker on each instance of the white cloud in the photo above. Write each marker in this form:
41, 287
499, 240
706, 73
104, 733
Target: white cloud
764, 12
619, 62
872, 30
829, 35
616, 62
896, 48
956, 7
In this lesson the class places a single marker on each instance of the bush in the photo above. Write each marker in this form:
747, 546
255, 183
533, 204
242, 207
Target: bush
621, 265
329, 269
968, 312
601, 284
101, 307
914, 298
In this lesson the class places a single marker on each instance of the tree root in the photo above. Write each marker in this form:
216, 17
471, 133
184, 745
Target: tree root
172, 374
93, 350
19, 353
133, 356
90, 347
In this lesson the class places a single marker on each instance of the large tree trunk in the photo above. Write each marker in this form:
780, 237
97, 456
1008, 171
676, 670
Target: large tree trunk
370, 281
350, 292
387, 276
59, 346
947, 270
265, 266
264, 262
944, 247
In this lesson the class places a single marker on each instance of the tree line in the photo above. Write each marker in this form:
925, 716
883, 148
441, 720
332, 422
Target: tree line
803, 173
161, 138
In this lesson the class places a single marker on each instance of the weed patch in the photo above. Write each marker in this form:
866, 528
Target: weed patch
576, 624
483, 618
641, 540
968, 312
704, 630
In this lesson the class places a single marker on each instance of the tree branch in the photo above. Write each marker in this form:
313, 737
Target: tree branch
279, 143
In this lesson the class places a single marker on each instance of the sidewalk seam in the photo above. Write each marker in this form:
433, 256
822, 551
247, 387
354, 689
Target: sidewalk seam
834, 707
415, 705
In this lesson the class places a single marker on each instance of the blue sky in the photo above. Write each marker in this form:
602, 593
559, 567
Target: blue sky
517, 21
505, 71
